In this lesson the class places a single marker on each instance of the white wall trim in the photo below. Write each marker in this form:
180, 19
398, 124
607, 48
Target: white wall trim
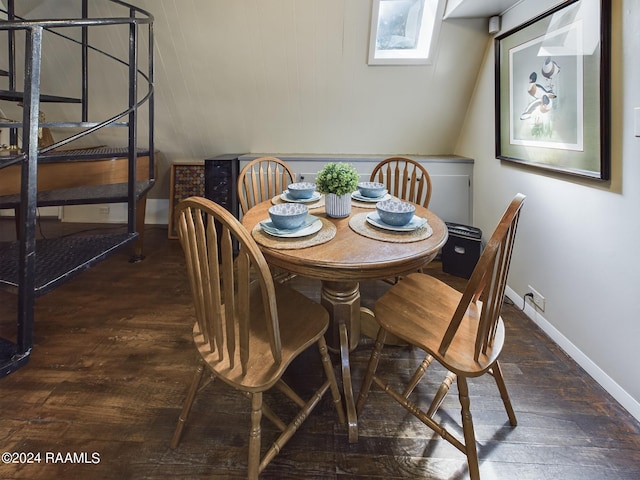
604, 380
157, 212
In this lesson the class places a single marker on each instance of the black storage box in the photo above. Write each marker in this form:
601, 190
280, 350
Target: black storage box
462, 250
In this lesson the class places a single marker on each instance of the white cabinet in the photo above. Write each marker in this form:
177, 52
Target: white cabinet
451, 177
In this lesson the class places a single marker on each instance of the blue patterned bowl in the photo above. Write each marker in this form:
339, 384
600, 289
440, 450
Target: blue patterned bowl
372, 189
393, 212
288, 216
301, 190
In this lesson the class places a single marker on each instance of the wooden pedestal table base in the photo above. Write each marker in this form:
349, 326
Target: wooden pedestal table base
342, 300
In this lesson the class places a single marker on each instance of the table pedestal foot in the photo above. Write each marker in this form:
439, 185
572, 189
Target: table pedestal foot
352, 418
342, 300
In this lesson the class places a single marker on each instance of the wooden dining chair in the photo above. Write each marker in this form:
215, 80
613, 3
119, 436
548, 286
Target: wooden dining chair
405, 178
462, 331
262, 179
248, 328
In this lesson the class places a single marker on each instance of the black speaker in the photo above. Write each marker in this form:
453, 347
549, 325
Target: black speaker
462, 250
220, 180
221, 183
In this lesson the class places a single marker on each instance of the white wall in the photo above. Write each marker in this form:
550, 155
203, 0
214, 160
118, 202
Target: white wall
578, 241
292, 77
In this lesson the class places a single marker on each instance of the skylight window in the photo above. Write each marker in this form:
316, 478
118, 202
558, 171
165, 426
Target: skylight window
404, 32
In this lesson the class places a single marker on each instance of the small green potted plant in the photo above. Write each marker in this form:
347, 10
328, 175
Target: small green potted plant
337, 180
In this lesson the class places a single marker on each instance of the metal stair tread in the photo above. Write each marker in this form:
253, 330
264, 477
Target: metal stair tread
75, 155
59, 259
19, 96
86, 195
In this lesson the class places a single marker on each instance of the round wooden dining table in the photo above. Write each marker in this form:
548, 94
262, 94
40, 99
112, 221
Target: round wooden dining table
341, 263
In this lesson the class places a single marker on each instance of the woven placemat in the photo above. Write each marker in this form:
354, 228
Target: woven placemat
326, 233
359, 224
317, 204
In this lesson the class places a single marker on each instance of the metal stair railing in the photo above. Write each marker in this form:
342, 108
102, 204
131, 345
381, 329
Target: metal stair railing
34, 267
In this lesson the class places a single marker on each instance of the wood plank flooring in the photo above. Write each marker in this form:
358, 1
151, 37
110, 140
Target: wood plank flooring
113, 359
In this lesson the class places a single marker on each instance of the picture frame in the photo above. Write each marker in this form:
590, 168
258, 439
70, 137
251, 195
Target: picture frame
186, 180
404, 32
552, 98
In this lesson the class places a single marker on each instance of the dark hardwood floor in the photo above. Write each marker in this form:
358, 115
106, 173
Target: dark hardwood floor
113, 359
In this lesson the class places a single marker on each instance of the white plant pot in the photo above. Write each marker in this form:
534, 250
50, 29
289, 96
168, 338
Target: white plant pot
338, 206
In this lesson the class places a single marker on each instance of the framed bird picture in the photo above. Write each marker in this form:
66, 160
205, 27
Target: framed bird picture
552, 90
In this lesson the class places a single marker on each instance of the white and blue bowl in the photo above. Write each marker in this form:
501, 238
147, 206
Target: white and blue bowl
288, 216
395, 213
372, 189
301, 190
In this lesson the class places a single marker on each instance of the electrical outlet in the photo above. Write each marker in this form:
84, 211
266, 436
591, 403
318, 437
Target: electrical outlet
103, 211
538, 300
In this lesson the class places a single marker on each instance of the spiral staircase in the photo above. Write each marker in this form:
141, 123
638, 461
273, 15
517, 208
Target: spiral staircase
31, 267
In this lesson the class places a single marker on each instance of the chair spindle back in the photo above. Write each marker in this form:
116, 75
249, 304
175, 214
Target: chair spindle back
262, 179
405, 178
223, 286
488, 282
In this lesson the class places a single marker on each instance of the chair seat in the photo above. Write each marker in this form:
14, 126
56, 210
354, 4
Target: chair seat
302, 323
425, 306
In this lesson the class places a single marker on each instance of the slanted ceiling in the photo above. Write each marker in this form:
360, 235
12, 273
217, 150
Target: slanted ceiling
282, 76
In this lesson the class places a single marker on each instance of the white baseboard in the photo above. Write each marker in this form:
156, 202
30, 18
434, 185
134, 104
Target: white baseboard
157, 212
55, 212
606, 382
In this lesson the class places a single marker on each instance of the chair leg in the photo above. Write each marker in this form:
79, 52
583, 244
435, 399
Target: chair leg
496, 372
254, 437
417, 376
467, 428
267, 412
293, 426
331, 377
371, 369
186, 408
441, 393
